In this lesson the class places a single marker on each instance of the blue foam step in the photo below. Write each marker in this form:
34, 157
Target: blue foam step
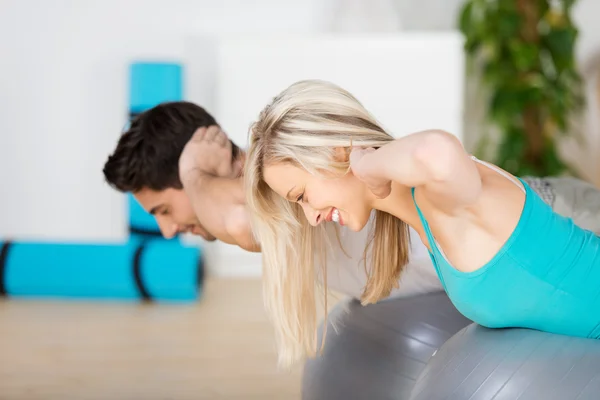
153, 269
150, 84
141, 223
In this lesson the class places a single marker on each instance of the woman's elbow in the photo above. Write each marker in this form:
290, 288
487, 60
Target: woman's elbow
441, 153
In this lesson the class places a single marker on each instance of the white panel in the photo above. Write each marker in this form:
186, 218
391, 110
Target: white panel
408, 81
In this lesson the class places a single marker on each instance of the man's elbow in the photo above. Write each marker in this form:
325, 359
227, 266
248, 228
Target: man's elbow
246, 241
250, 246
240, 230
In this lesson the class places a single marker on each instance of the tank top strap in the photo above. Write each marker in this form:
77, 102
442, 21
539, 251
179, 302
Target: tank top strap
516, 180
422, 217
431, 239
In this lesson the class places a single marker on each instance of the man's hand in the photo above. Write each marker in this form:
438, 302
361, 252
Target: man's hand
209, 152
212, 181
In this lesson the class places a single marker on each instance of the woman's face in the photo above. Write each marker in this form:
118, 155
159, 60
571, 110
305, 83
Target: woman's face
323, 198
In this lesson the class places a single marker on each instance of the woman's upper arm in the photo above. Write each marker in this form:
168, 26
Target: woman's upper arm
455, 180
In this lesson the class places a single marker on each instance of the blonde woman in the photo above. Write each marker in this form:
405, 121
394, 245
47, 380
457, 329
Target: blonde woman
318, 157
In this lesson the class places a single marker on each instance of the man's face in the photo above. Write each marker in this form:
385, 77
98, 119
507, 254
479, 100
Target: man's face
173, 212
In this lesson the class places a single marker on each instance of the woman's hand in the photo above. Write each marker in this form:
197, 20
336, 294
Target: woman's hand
364, 168
434, 160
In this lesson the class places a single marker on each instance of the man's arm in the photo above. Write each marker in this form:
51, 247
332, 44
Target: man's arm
212, 180
219, 204
239, 228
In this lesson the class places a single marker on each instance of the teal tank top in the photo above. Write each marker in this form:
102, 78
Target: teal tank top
545, 277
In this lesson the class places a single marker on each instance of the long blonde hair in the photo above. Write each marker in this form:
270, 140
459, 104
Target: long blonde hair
302, 126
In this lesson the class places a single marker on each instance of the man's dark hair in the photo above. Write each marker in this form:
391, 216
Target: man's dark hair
147, 154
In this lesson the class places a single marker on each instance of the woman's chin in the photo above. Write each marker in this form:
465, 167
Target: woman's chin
354, 226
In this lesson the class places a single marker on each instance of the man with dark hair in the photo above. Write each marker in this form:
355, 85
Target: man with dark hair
146, 163
184, 170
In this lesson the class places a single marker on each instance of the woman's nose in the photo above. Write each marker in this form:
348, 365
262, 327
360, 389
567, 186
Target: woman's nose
313, 216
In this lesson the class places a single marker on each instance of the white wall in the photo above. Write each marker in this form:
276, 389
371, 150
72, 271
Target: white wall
408, 81
586, 157
63, 90
63, 97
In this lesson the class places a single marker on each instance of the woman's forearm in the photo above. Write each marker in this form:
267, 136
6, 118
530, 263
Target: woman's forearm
419, 158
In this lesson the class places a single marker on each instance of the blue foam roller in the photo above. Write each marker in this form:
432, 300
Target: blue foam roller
151, 83
154, 269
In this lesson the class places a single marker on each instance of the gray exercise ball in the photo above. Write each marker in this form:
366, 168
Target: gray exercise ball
501, 364
378, 351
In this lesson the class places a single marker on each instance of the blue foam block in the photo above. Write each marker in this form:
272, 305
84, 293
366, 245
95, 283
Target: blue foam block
140, 221
166, 270
150, 83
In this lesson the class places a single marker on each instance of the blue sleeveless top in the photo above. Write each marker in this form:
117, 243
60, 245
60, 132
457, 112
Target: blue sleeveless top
545, 277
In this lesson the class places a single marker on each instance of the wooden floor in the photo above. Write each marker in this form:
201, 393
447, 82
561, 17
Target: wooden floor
220, 348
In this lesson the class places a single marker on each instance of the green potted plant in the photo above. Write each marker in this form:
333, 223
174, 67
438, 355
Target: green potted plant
524, 53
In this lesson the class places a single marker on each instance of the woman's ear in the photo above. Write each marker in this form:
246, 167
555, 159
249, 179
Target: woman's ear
341, 154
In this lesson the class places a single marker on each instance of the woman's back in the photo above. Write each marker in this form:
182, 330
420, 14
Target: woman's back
546, 276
